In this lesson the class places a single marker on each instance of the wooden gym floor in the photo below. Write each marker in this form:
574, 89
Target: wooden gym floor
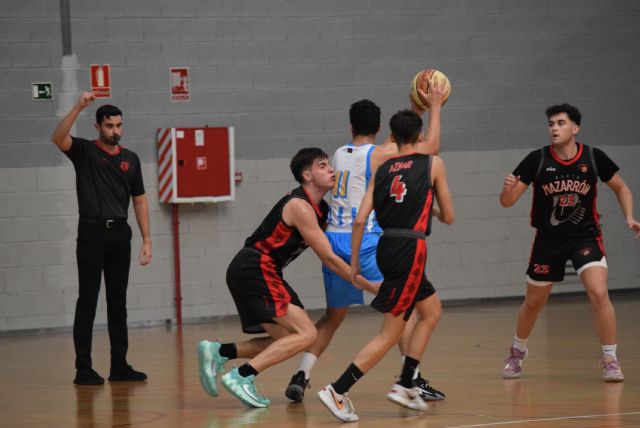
561, 386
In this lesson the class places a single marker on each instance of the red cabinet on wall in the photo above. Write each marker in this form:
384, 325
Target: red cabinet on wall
196, 165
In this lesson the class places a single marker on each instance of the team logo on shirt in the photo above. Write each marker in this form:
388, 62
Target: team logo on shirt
124, 166
583, 167
567, 207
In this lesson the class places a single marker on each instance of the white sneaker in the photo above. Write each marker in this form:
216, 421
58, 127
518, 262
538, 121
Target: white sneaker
342, 409
407, 397
611, 371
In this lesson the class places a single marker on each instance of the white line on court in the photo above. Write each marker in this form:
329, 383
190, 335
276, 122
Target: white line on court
545, 420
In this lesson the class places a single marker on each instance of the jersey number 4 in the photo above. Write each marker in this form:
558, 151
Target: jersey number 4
398, 189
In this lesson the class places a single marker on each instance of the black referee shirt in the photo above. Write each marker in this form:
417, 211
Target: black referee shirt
104, 182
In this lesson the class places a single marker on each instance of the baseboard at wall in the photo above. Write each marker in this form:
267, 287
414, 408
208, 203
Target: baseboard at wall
170, 323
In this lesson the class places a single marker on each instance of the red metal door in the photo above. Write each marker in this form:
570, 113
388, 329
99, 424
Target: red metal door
203, 162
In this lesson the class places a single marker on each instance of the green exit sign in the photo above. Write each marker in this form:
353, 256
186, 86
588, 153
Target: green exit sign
42, 91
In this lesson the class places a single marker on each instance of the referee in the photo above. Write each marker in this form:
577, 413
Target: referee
107, 176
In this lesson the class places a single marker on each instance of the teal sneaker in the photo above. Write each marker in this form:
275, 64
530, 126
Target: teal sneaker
210, 364
244, 389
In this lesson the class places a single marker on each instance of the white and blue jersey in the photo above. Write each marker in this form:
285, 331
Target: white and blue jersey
352, 167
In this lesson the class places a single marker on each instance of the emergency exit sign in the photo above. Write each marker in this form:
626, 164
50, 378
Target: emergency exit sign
42, 91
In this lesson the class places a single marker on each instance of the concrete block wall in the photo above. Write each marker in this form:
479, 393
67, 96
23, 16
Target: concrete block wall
283, 73
482, 255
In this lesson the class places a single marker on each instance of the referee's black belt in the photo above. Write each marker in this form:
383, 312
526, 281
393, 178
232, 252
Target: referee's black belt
107, 223
403, 233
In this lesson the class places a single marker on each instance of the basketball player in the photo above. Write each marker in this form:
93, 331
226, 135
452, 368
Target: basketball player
564, 176
402, 196
354, 164
265, 301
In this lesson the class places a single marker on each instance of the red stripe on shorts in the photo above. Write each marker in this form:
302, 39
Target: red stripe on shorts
278, 292
410, 288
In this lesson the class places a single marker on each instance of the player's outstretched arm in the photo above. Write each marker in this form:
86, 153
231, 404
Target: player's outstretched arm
430, 144
445, 211
625, 200
61, 137
512, 190
300, 214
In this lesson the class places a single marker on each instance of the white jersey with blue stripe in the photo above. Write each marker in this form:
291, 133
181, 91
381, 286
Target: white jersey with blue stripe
352, 167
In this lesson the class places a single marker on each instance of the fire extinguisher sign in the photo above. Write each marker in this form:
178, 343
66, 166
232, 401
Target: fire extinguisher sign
101, 80
180, 90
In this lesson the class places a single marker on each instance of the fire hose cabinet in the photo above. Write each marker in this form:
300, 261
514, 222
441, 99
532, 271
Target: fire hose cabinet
196, 165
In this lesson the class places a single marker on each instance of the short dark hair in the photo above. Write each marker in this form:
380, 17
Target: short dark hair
304, 160
106, 111
364, 116
405, 127
572, 112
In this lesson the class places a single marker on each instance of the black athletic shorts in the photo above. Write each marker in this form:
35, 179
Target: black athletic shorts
258, 289
402, 262
549, 256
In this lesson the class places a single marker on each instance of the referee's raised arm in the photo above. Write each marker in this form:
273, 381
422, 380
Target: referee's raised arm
60, 136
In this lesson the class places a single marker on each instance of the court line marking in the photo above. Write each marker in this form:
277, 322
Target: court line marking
545, 419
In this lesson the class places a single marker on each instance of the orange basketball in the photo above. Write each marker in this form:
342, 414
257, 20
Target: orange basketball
422, 80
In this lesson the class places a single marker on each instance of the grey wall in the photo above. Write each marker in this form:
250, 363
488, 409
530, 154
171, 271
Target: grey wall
283, 73
483, 255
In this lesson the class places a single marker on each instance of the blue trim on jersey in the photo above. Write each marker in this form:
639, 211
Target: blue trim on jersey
340, 211
367, 174
354, 213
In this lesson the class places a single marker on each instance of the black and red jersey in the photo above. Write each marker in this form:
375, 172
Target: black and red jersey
283, 243
104, 182
403, 193
565, 191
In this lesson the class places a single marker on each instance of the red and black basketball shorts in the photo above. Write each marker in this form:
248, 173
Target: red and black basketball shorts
402, 263
258, 289
549, 256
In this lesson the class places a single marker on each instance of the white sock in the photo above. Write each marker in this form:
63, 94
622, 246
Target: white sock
609, 351
520, 344
307, 363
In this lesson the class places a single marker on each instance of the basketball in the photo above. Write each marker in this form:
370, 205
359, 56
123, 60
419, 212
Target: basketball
423, 80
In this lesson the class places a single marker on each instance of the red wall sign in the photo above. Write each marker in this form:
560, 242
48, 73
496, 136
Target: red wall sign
180, 90
101, 80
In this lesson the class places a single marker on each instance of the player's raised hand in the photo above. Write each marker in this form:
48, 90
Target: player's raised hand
85, 100
437, 93
510, 182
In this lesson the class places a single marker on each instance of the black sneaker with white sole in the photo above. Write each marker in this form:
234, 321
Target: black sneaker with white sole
427, 392
295, 390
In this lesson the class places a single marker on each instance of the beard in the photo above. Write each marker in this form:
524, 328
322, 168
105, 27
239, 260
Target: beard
112, 141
